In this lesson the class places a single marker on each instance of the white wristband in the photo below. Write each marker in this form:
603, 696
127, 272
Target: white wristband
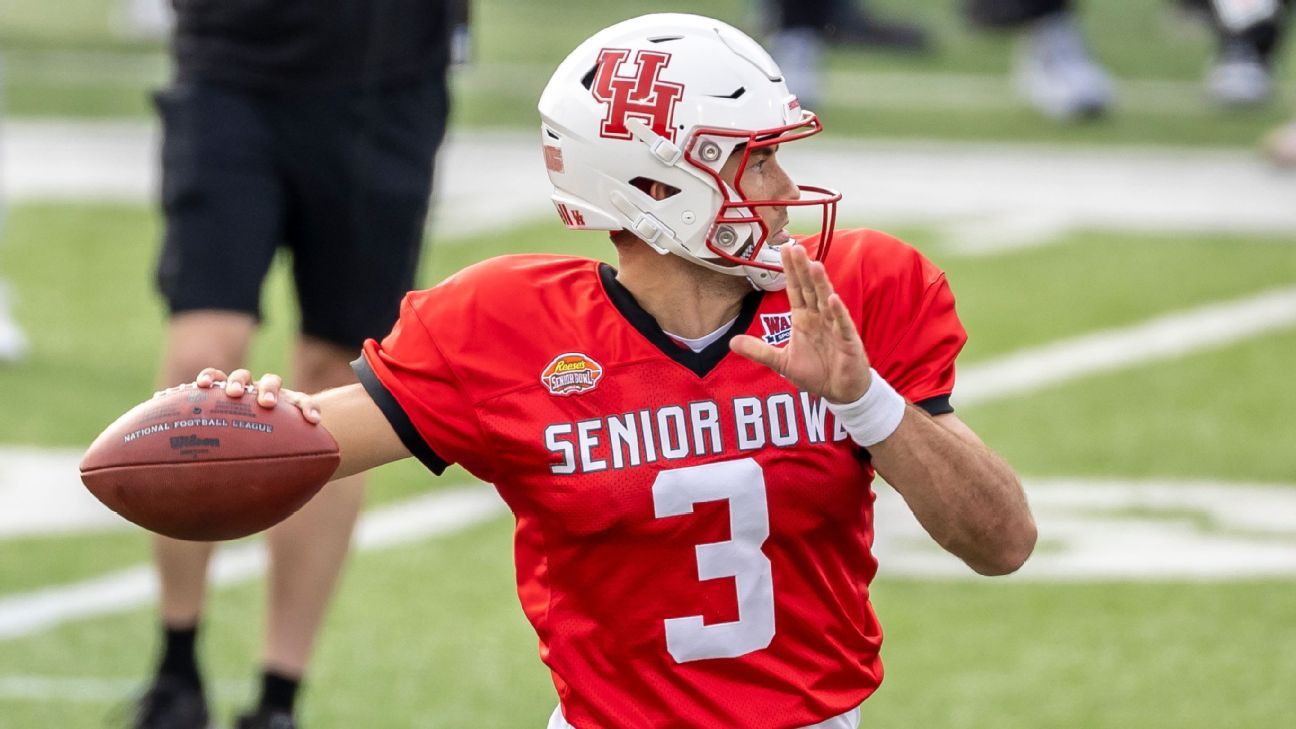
875, 416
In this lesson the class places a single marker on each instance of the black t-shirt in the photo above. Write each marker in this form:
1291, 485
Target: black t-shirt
276, 44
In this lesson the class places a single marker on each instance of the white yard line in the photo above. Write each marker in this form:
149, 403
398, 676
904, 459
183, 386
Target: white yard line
41, 494
437, 514
489, 181
1166, 337
87, 689
1116, 529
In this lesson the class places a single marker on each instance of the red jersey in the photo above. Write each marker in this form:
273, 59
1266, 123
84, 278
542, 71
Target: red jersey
693, 533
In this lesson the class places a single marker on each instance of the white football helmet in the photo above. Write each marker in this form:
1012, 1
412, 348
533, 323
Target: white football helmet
667, 98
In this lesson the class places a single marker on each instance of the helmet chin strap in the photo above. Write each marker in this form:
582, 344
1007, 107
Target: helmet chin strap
763, 278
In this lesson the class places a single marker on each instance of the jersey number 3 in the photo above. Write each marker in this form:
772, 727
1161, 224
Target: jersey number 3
742, 484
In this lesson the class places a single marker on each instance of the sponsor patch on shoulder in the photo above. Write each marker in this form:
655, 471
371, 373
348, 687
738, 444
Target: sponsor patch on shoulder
778, 327
571, 374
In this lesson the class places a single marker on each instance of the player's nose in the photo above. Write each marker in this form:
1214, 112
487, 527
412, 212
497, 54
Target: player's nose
786, 189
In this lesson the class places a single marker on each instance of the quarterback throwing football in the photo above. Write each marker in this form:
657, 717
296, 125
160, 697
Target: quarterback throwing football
687, 440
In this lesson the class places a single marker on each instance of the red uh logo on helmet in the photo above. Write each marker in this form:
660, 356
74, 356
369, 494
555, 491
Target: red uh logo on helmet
643, 95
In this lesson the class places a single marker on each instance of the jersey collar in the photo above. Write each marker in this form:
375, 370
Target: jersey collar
700, 363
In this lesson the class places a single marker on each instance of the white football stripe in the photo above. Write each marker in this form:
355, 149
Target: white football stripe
1166, 337
923, 182
1095, 529
443, 512
41, 493
84, 689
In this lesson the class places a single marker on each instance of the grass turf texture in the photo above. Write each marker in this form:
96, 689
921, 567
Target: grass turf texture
70, 62
430, 635
412, 643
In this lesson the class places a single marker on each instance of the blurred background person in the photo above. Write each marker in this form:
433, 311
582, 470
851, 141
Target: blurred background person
800, 29
1054, 70
1249, 32
312, 127
13, 342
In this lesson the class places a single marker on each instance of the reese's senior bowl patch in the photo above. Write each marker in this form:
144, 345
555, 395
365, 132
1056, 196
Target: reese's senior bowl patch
571, 374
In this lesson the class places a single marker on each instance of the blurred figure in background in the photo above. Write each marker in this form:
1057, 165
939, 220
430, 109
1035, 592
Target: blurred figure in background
1250, 32
1054, 70
313, 127
802, 28
13, 343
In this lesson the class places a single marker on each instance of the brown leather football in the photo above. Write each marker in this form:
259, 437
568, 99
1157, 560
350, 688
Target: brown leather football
193, 463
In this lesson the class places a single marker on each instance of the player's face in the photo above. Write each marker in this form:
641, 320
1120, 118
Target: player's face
764, 178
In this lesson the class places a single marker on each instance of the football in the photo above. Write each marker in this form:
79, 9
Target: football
193, 463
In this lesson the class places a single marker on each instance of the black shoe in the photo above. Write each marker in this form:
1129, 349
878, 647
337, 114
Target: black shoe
266, 719
171, 704
869, 31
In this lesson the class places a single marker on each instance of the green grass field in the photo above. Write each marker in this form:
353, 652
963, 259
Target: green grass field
71, 62
429, 634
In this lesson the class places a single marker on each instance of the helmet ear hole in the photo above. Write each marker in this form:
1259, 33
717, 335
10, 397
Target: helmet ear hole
655, 189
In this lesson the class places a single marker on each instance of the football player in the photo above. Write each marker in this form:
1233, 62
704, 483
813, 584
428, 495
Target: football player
687, 439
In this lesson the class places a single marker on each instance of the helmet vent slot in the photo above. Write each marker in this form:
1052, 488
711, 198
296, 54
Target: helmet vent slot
735, 94
588, 79
665, 38
645, 185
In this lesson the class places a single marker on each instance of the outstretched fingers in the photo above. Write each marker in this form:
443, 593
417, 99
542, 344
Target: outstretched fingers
788, 257
842, 324
758, 351
823, 289
805, 278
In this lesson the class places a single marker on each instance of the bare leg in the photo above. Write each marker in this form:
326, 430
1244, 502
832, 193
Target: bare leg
308, 549
195, 340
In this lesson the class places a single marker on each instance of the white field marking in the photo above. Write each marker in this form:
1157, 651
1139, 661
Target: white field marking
445, 512
1166, 337
1172, 190
84, 689
41, 493
1004, 233
1093, 529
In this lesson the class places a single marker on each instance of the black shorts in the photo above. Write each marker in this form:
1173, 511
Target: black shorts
339, 178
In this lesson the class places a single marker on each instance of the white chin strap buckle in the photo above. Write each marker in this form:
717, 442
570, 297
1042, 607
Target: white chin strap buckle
644, 225
763, 278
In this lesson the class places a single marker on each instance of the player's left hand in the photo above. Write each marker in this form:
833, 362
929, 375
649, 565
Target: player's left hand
825, 355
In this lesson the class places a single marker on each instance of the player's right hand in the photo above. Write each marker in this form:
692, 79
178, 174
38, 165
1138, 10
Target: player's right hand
825, 355
269, 390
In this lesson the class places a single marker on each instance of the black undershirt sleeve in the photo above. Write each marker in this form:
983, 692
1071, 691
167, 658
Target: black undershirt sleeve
939, 405
395, 415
